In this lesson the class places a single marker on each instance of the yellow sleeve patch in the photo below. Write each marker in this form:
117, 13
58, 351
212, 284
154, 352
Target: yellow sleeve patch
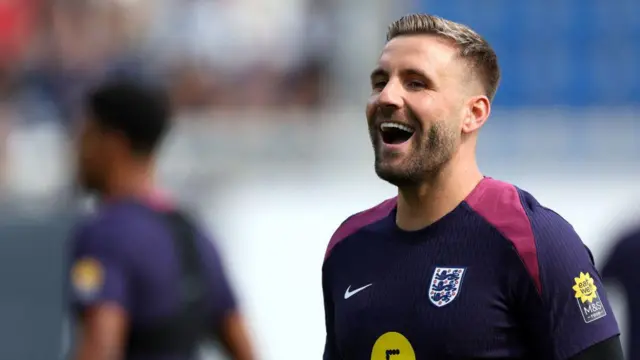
585, 288
87, 276
591, 306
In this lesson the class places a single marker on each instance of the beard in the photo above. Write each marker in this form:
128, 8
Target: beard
430, 150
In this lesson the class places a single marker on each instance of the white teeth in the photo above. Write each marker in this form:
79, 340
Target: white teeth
386, 125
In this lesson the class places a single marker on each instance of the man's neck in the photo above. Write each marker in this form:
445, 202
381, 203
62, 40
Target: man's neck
130, 183
423, 205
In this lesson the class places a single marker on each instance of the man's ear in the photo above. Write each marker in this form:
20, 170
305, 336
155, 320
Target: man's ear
477, 111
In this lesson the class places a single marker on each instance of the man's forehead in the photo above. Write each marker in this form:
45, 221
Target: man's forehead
430, 53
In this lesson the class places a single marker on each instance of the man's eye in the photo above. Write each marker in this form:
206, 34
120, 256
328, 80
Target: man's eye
414, 84
379, 84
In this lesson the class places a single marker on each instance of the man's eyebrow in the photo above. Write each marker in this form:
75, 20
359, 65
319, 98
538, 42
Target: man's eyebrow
414, 72
378, 72
421, 74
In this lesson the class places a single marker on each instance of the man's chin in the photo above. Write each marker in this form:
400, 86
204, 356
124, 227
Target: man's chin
396, 174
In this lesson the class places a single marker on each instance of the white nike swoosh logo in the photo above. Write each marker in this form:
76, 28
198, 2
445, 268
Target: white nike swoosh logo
348, 294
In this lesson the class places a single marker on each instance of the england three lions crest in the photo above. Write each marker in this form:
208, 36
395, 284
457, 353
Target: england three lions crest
445, 285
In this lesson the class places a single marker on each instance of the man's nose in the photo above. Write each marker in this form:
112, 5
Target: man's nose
390, 98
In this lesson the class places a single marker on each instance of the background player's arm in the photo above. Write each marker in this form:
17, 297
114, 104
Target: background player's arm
235, 337
100, 294
562, 301
228, 322
102, 333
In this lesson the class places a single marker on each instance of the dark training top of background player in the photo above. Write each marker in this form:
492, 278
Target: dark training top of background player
499, 277
125, 255
622, 267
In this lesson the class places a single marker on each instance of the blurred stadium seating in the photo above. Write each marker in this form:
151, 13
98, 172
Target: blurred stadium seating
271, 138
558, 53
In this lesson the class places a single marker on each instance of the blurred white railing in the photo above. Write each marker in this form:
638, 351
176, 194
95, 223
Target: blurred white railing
220, 147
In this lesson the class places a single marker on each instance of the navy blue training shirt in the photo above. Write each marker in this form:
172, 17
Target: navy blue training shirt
125, 255
499, 277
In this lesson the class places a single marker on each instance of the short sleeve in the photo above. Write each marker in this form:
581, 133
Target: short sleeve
224, 299
564, 305
98, 271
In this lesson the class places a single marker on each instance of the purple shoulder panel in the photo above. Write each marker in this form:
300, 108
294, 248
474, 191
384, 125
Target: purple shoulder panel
499, 204
360, 220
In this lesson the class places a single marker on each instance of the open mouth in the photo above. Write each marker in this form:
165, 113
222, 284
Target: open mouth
395, 133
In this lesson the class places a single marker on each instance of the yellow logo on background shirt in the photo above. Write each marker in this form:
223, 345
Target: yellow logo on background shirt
87, 277
585, 288
392, 346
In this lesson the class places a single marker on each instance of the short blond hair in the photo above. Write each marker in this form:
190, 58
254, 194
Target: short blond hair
473, 47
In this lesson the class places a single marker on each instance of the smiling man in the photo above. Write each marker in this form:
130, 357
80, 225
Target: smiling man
458, 265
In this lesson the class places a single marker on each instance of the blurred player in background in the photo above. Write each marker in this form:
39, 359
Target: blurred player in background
622, 268
146, 282
458, 265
